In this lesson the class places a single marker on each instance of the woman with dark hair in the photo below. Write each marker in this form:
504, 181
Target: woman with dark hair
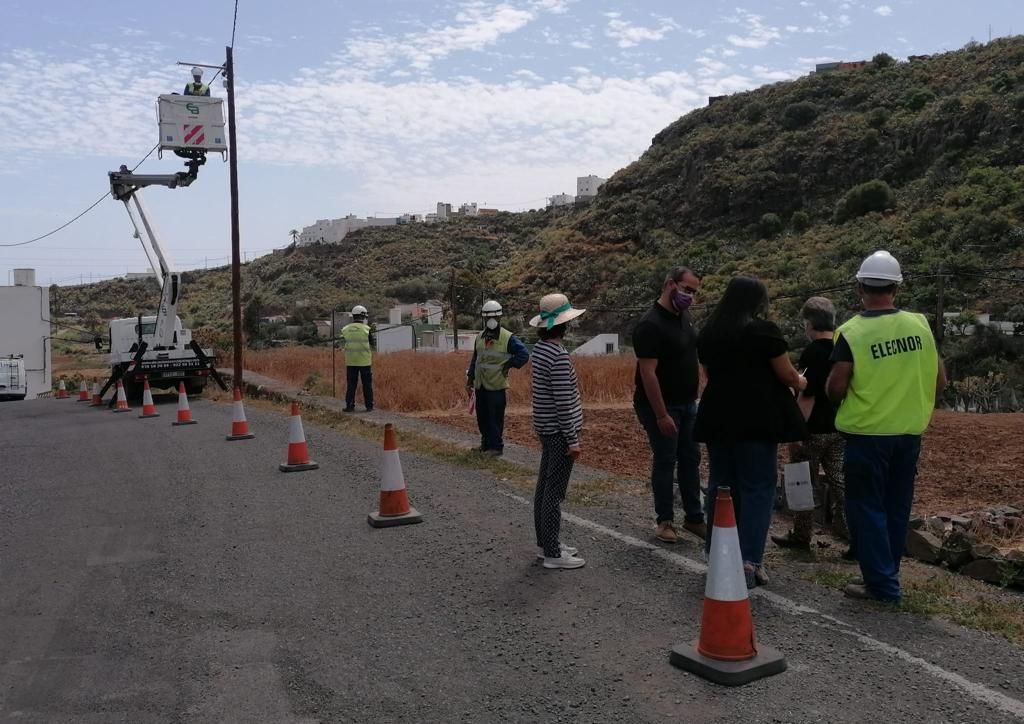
746, 410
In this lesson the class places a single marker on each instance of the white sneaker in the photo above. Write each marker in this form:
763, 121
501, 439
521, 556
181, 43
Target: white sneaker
564, 548
564, 561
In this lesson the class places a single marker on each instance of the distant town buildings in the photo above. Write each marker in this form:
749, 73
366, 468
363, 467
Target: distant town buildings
587, 187
965, 324
712, 100
841, 65
561, 200
332, 231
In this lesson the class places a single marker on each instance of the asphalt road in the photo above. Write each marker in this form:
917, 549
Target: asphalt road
150, 573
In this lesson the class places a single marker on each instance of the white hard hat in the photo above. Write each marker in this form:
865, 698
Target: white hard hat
880, 270
359, 311
197, 71
490, 308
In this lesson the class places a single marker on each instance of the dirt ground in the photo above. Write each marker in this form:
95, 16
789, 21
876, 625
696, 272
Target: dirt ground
969, 461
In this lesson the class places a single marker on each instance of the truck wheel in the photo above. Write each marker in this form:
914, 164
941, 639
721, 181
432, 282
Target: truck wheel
195, 387
133, 390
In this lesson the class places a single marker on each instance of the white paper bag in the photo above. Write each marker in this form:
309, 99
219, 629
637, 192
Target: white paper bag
799, 492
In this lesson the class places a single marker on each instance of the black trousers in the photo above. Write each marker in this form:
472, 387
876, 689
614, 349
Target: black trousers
552, 482
353, 375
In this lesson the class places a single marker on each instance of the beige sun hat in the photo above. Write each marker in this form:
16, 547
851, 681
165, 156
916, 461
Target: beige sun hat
554, 310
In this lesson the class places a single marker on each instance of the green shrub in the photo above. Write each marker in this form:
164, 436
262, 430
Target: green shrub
883, 60
863, 199
918, 98
771, 225
753, 112
800, 221
798, 115
877, 117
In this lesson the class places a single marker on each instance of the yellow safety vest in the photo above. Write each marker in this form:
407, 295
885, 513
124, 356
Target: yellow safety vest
357, 345
895, 365
491, 357
197, 89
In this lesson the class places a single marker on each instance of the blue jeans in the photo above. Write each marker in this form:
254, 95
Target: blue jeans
669, 454
880, 472
490, 418
750, 469
352, 377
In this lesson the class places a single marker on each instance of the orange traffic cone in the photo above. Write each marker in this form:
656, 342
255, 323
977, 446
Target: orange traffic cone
239, 425
148, 408
83, 392
97, 401
122, 399
298, 453
184, 411
727, 652
394, 500
62, 390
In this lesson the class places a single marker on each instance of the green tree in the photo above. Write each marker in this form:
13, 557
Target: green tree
800, 221
863, 199
798, 115
883, 60
770, 226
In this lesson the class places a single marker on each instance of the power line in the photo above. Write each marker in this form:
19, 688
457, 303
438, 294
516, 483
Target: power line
79, 216
234, 24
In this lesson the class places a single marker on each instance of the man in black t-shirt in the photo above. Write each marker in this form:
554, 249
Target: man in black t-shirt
665, 401
824, 447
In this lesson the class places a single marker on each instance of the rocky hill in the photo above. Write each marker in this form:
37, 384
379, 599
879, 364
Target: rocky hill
793, 182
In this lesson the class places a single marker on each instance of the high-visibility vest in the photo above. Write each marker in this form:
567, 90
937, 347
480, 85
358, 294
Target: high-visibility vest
357, 345
491, 357
194, 89
895, 365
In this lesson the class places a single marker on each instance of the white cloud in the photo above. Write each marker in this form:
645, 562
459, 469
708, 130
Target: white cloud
710, 67
580, 44
883, 10
775, 74
757, 34
528, 75
259, 40
629, 35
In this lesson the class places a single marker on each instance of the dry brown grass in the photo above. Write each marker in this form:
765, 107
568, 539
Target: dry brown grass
421, 381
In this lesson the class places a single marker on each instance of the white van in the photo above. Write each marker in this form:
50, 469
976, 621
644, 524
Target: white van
13, 383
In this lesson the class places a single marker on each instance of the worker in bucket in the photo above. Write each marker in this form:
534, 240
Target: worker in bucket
495, 352
197, 87
886, 373
358, 339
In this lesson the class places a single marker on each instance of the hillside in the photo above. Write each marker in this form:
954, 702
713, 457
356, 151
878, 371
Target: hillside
793, 182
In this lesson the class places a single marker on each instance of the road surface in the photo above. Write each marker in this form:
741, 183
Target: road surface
151, 573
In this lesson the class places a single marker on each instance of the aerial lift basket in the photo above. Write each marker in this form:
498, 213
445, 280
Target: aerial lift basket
191, 125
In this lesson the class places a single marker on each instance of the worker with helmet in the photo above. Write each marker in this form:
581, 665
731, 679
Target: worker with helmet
358, 339
495, 352
197, 87
885, 376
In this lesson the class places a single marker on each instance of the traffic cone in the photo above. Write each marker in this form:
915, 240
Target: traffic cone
239, 425
62, 391
298, 453
148, 408
184, 412
83, 392
727, 652
394, 500
122, 399
97, 401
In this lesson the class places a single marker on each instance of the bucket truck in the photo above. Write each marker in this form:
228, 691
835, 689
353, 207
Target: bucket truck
158, 346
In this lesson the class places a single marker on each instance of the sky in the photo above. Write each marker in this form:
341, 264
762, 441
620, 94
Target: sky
385, 107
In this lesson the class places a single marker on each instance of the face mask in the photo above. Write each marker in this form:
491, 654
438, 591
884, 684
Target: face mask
491, 323
681, 301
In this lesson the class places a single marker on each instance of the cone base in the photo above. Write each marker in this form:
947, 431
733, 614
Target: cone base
377, 520
186, 422
246, 436
298, 467
152, 414
126, 409
767, 662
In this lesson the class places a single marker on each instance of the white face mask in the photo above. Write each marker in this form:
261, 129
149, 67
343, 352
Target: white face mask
491, 323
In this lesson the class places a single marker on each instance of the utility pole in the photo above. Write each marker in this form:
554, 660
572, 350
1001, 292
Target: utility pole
236, 270
940, 309
334, 347
455, 316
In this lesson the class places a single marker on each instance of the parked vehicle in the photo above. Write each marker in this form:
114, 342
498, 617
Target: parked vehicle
13, 383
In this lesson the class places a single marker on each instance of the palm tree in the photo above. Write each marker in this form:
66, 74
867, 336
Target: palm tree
295, 236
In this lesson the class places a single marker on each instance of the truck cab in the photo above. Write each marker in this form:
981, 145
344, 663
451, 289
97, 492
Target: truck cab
13, 383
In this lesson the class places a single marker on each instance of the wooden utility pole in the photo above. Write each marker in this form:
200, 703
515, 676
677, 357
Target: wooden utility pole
455, 316
236, 268
940, 309
334, 347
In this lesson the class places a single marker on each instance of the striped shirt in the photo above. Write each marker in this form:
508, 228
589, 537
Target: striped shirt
557, 407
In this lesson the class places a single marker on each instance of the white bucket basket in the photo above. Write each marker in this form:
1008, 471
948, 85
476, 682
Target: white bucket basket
799, 491
192, 123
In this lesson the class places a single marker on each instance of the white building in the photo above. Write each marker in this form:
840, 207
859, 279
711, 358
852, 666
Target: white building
394, 339
429, 312
602, 344
561, 200
25, 329
957, 324
332, 231
587, 186
469, 210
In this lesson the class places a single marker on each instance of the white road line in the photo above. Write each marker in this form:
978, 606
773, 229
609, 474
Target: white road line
980, 692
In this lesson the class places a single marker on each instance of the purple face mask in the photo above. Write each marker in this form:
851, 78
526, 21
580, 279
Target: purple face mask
681, 301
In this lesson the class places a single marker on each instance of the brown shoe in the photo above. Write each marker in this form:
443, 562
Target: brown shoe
698, 527
666, 532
